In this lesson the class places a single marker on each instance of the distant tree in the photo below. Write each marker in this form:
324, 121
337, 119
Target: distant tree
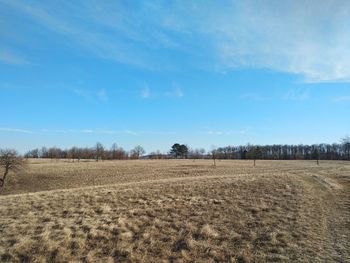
10, 161
32, 153
114, 150
243, 152
201, 152
73, 153
214, 156
156, 155
98, 151
183, 150
179, 150
54, 152
316, 153
44, 152
255, 153
346, 145
137, 152
196, 153
175, 150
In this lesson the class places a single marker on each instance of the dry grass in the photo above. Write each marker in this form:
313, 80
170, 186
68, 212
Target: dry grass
177, 211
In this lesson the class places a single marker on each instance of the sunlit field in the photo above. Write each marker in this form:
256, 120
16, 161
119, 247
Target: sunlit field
176, 211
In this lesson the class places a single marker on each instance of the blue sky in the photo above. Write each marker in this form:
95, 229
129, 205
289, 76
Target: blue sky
204, 73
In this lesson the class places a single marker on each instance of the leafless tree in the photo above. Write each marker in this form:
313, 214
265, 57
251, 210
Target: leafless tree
114, 150
10, 161
99, 151
213, 154
73, 153
137, 152
346, 144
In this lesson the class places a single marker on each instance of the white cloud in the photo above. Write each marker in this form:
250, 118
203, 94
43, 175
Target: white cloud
87, 131
175, 91
310, 38
15, 130
10, 58
179, 93
92, 96
219, 133
297, 95
254, 97
102, 95
342, 99
57, 18
146, 92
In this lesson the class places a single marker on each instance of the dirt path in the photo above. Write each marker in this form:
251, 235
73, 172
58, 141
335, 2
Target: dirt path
163, 180
334, 202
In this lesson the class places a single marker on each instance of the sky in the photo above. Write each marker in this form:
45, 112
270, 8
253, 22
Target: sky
153, 73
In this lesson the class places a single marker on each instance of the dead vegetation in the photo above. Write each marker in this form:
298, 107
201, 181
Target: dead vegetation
177, 211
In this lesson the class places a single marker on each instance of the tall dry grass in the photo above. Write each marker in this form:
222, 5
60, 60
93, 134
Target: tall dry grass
177, 211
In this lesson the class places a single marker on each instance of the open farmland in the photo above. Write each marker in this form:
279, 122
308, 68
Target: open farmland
176, 211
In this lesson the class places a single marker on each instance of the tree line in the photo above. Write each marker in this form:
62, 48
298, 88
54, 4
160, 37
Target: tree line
323, 151
98, 152
335, 151
11, 161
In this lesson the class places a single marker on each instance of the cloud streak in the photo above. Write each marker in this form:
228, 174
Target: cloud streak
10, 58
15, 130
342, 99
86, 131
226, 133
92, 96
174, 92
308, 38
146, 92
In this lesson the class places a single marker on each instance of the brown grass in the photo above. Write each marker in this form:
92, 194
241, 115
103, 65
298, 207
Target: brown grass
177, 211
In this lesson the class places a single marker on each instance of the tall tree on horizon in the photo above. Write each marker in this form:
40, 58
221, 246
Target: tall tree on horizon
179, 150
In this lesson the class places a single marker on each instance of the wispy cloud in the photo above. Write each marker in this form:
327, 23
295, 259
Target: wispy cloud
179, 93
55, 17
309, 38
102, 95
297, 95
146, 92
92, 96
254, 97
342, 99
87, 131
175, 93
10, 58
15, 130
219, 133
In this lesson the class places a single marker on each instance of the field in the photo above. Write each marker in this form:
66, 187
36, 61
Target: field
176, 211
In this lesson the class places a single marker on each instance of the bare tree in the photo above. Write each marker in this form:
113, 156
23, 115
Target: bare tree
346, 145
137, 152
73, 153
254, 153
10, 161
213, 155
99, 151
114, 150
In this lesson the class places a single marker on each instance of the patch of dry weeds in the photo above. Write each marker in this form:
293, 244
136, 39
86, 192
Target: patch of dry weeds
235, 213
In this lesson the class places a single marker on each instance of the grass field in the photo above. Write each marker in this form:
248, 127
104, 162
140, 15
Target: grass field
176, 211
